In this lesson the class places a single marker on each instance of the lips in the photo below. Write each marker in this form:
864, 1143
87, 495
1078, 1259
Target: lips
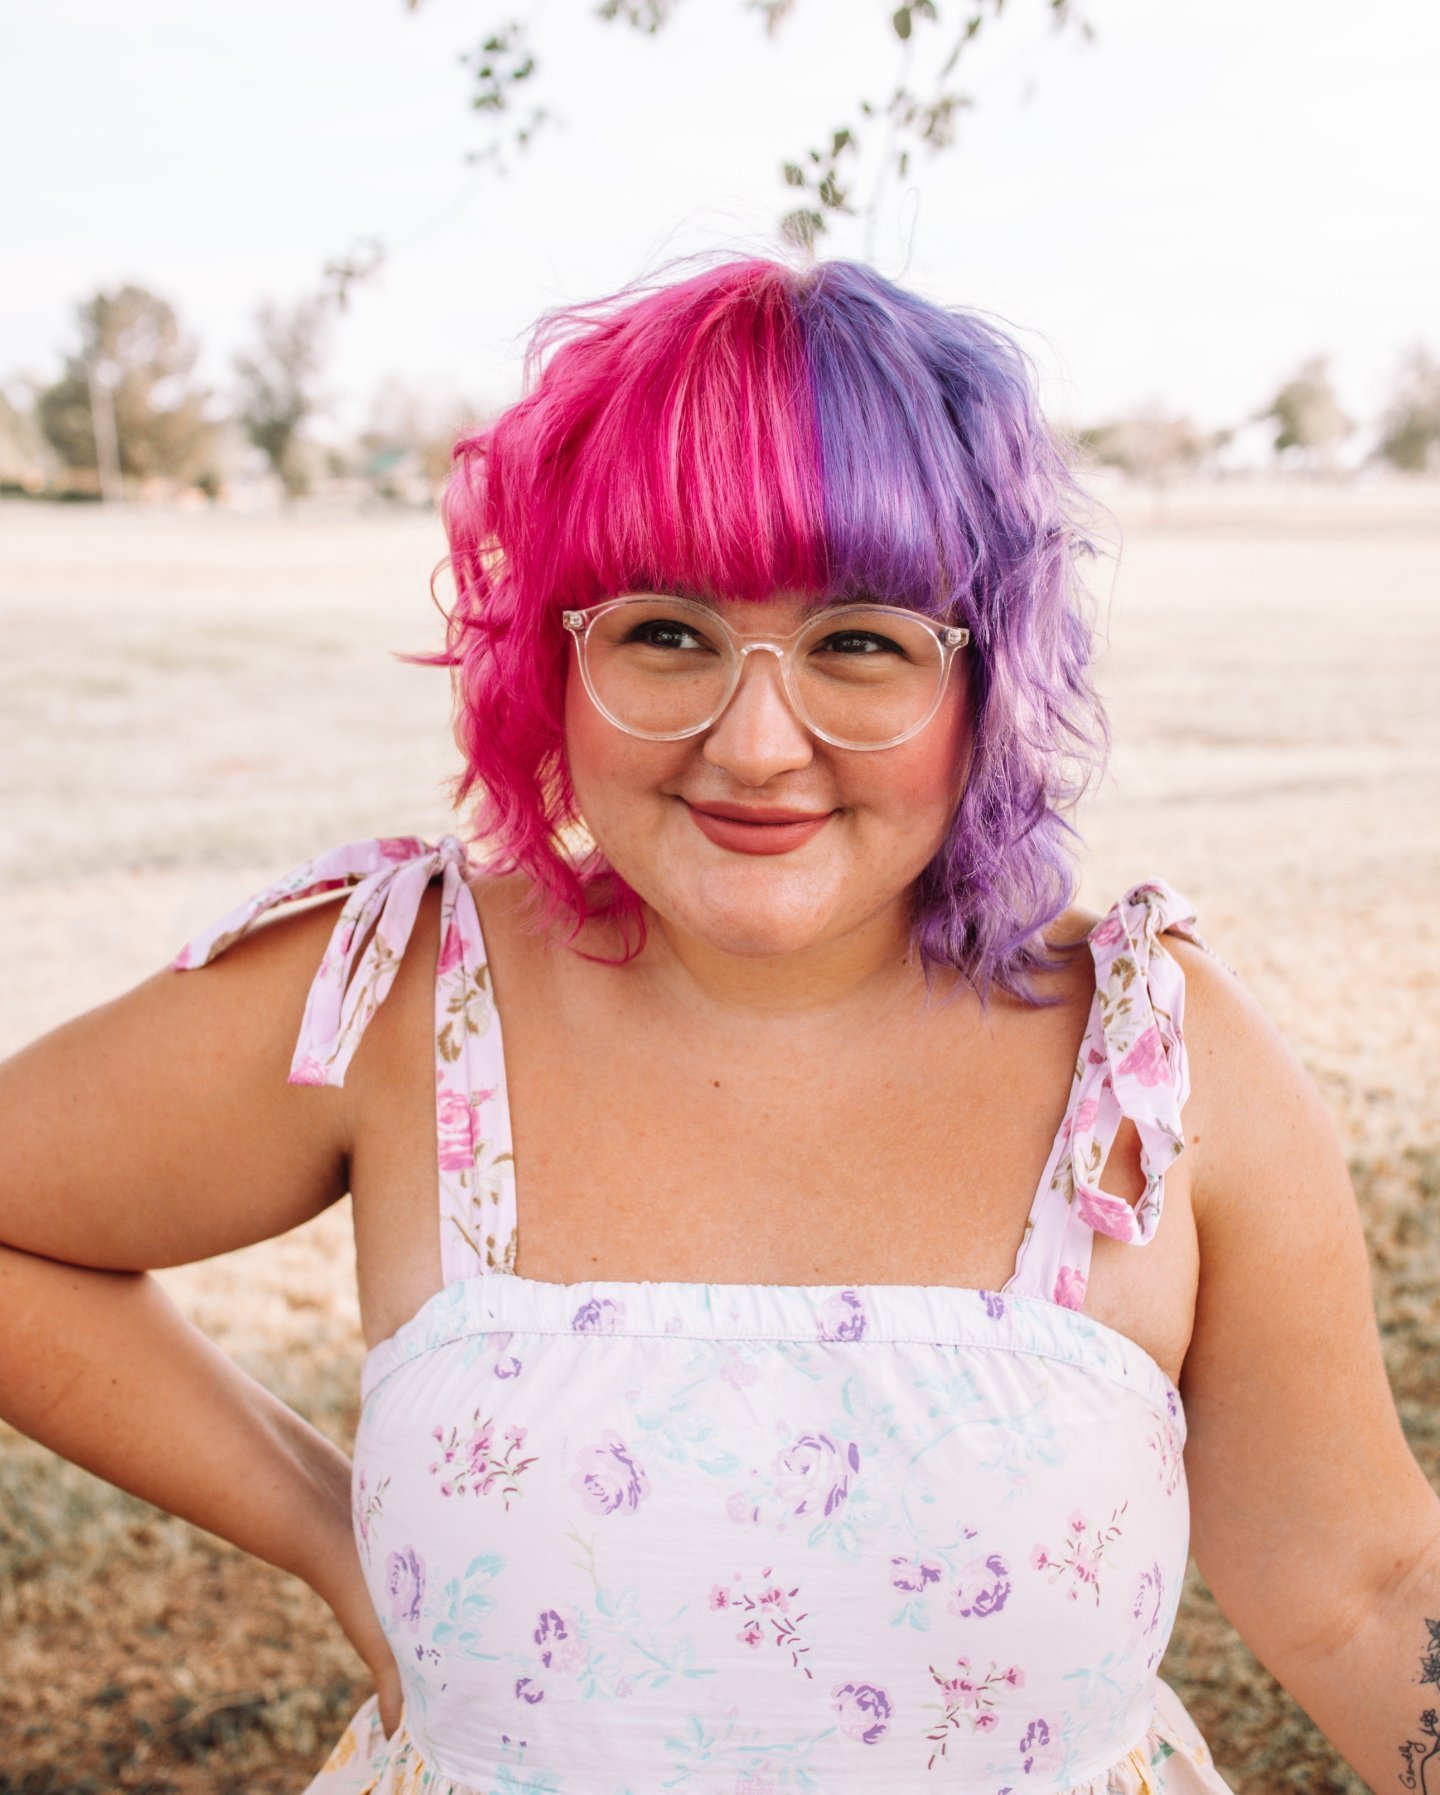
757, 829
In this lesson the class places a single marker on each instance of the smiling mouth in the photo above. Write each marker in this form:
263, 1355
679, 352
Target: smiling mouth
757, 829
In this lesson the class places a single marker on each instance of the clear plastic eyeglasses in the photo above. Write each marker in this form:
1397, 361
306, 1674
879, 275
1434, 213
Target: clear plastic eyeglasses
857, 676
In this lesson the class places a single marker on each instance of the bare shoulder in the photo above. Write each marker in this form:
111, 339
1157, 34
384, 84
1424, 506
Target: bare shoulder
1255, 1113
161, 1127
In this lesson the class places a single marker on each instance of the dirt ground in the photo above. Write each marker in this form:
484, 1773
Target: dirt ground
190, 703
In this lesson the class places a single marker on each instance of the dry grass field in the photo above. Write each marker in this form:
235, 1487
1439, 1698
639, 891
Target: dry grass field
190, 703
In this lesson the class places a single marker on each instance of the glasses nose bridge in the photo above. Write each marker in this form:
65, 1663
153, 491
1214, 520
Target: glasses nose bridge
779, 649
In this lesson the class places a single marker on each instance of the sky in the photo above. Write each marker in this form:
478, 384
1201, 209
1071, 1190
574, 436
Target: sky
1175, 214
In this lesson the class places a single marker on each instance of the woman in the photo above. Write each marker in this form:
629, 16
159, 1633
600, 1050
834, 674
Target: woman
777, 1431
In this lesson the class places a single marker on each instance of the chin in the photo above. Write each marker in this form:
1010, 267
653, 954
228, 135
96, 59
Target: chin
754, 919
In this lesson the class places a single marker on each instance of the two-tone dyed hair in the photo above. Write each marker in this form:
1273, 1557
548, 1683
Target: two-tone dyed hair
758, 428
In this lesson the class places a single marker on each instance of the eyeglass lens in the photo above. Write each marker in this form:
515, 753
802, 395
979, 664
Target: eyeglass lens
663, 666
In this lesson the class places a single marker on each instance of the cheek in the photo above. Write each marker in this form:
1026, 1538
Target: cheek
609, 770
924, 777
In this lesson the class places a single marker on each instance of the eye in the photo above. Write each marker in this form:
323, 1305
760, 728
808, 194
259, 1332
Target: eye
665, 632
859, 642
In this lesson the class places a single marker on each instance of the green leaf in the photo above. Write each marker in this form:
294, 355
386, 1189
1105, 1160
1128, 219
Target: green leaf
901, 21
839, 142
794, 174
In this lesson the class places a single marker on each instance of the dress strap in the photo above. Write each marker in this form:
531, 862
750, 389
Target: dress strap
1132, 1063
388, 878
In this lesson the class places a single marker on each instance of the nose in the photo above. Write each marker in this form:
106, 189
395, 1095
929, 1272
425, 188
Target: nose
758, 736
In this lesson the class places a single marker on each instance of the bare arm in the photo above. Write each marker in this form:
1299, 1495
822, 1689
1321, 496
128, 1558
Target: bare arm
1312, 1522
152, 1131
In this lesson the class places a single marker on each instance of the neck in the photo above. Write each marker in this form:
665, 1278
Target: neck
865, 969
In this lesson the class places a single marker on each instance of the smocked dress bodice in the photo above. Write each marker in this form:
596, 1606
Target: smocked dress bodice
738, 1539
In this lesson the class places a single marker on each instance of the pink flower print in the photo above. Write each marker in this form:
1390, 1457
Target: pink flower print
405, 1582
450, 950
983, 1589
842, 1317
400, 847
600, 1315
1070, 1287
309, 1071
1104, 1213
624, 1687
609, 1479
812, 1474
1145, 1061
473, 1464
365, 1505
1085, 1114
969, 1701
1163, 1442
864, 1711
1108, 932
769, 1609
912, 1575
457, 1123
1083, 1554
738, 1372
753, 1785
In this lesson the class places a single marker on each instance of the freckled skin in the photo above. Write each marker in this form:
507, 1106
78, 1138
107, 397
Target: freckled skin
848, 885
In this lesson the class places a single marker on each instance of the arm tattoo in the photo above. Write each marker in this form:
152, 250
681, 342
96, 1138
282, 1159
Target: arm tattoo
1422, 1756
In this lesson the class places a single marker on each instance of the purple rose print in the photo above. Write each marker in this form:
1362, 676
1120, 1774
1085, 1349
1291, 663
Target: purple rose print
1038, 1753
599, 1316
812, 1474
609, 1478
528, 1690
864, 1711
913, 1574
405, 1580
560, 1649
994, 1304
984, 1588
842, 1317
1146, 1610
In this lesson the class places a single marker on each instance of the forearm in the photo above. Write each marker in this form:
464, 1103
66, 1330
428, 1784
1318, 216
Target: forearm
1377, 1694
102, 1368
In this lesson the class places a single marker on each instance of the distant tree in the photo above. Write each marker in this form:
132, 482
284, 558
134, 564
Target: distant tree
919, 112
1149, 446
420, 424
128, 402
1307, 417
26, 458
1410, 425
277, 385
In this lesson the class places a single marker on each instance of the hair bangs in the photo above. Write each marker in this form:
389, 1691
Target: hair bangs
679, 447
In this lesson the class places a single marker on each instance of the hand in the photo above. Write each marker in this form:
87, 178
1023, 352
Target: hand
330, 1564
349, 1601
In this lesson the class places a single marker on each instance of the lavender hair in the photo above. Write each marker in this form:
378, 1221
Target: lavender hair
757, 428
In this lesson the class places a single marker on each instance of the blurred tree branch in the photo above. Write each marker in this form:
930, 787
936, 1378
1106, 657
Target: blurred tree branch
917, 114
